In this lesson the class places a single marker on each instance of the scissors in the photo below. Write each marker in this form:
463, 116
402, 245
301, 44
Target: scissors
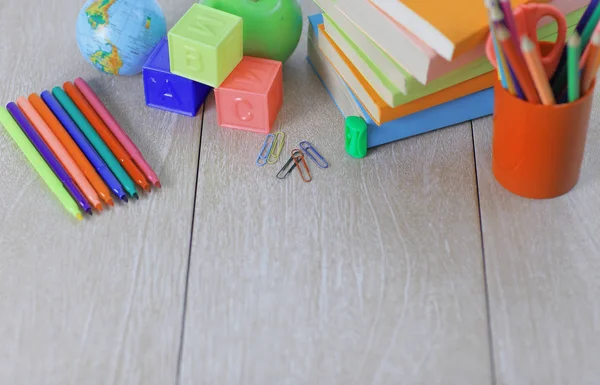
526, 18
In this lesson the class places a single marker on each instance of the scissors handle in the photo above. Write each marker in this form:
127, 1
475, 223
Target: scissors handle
526, 18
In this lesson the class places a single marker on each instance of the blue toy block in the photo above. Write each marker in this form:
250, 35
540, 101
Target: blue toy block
167, 91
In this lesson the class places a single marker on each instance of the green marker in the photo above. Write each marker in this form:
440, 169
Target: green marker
573, 57
95, 139
356, 136
38, 163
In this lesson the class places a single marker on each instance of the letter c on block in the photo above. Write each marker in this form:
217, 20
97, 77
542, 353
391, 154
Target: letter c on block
243, 110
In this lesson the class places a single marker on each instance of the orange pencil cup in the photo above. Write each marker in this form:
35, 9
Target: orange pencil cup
537, 150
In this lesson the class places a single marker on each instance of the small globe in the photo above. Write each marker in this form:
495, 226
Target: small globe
117, 36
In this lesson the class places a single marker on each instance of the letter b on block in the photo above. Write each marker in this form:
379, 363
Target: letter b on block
251, 97
206, 45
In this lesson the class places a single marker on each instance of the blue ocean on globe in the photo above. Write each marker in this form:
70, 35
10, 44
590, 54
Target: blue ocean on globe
117, 36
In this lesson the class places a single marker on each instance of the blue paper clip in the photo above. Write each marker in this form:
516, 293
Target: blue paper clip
263, 155
307, 148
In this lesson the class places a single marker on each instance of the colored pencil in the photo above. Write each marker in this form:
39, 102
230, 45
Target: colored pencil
38, 163
95, 140
75, 152
584, 56
573, 56
559, 82
585, 18
497, 17
590, 68
511, 25
47, 154
91, 154
517, 63
60, 152
536, 68
115, 147
117, 131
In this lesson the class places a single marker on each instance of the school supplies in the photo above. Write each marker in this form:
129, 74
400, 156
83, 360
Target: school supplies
45, 152
60, 152
82, 142
590, 66
276, 148
536, 68
263, 155
450, 28
115, 146
117, 131
573, 56
95, 140
522, 75
71, 147
301, 165
309, 150
38, 163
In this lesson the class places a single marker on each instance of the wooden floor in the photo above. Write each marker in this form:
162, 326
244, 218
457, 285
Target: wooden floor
410, 266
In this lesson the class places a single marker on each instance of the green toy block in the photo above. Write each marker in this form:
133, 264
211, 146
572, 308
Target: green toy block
205, 45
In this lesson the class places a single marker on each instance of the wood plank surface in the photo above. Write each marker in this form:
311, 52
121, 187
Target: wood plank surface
543, 264
99, 301
370, 274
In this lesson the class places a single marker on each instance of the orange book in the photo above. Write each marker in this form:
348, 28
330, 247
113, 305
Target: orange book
449, 27
379, 111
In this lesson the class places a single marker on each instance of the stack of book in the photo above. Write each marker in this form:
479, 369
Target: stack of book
411, 66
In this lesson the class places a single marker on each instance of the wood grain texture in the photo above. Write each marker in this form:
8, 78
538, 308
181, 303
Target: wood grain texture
543, 264
98, 302
370, 274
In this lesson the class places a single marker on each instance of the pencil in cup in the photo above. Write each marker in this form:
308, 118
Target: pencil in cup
117, 149
591, 63
60, 152
117, 131
38, 163
95, 140
536, 68
48, 156
518, 65
573, 58
86, 147
76, 153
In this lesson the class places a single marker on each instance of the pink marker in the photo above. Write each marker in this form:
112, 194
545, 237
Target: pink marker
117, 131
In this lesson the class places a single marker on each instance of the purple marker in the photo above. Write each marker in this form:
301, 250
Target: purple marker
48, 156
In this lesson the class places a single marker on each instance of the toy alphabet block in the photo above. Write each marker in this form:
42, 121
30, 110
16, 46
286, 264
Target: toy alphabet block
251, 97
206, 44
168, 91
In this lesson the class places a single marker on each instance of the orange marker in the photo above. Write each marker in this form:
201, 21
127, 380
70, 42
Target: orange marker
70, 145
60, 152
516, 62
538, 73
107, 136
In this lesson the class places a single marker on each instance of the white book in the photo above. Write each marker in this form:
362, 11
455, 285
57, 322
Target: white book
335, 85
418, 59
394, 72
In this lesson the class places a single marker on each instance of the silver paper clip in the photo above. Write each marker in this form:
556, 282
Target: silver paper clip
261, 160
317, 158
276, 148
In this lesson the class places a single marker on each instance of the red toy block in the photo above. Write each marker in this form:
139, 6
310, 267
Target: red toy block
251, 96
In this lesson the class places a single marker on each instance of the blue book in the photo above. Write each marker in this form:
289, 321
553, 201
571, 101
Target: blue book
467, 108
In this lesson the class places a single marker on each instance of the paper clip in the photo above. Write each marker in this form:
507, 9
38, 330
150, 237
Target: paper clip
261, 160
298, 157
307, 148
279, 176
276, 148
